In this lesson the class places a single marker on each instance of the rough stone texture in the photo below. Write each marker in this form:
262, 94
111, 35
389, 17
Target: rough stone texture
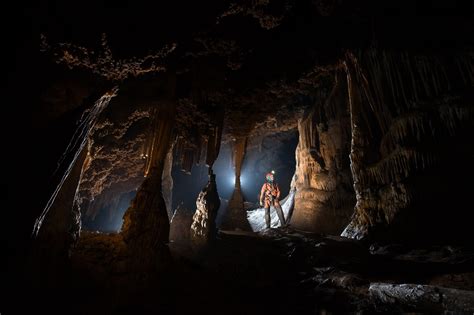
105, 254
117, 163
66, 94
59, 230
406, 135
203, 228
324, 198
460, 280
167, 182
312, 272
236, 216
268, 13
262, 64
146, 225
103, 63
120, 153
425, 298
180, 225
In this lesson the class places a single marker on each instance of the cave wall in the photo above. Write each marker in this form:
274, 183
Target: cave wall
59, 229
411, 153
324, 197
117, 162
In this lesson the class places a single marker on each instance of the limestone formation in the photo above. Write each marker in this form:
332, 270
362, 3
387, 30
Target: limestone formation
180, 225
146, 225
236, 216
424, 298
324, 198
382, 108
203, 228
396, 166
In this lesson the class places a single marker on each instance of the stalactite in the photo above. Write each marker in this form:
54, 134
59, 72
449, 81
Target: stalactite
150, 143
236, 218
215, 136
413, 125
75, 228
178, 150
188, 160
322, 201
145, 227
407, 112
398, 165
203, 227
167, 181
77, 143
198, 151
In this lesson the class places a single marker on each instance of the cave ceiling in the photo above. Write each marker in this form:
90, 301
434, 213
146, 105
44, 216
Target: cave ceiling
264, 61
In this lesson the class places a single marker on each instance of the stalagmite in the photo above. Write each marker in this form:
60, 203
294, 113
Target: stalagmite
146, 225
322, 169
203, 228
76, 147
236, 217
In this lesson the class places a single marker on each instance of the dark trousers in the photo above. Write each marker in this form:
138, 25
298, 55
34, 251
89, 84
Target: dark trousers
279, 212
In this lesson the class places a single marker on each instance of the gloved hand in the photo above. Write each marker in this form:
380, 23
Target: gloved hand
261, 203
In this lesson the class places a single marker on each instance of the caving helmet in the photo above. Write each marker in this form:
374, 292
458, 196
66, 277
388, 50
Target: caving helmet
269, 176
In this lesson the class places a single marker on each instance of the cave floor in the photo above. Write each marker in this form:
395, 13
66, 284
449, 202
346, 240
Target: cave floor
276, 271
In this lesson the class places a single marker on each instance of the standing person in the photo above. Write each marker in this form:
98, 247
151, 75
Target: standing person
269, 195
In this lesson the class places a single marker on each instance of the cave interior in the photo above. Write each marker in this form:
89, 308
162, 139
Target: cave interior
139, 137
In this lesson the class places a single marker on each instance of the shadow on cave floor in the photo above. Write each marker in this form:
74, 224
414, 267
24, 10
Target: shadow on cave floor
273, 272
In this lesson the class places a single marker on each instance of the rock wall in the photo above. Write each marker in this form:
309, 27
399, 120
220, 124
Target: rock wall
180, 225
117, 159
410, 119
324, 197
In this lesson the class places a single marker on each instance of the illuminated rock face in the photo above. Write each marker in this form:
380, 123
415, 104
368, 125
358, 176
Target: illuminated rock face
203, 228
324, 198
116, 160
408, 143
61, 226
167, 182
146, 225
236, 216
180, 225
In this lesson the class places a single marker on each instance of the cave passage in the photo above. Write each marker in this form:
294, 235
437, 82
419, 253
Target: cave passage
272, 152
177, 111
110, 217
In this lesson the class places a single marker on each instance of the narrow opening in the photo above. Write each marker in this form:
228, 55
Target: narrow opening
106, 214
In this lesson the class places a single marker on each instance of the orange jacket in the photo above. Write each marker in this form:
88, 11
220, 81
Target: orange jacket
269, 191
